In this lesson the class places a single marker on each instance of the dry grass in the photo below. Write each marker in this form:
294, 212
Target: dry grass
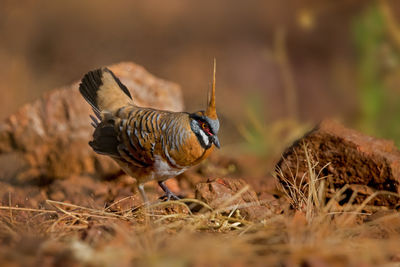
98, 237
173, 234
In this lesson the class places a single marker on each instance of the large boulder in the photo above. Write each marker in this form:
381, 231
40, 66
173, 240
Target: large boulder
48, 139
343, 156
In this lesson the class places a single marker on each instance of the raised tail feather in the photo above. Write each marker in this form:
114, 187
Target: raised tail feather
104, 91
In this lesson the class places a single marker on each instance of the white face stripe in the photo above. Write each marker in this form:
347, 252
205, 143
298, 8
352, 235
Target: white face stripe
204, 137
200, 133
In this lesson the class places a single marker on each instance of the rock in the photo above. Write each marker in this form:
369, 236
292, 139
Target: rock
344, 157
79, 189
219, 193
48, 139
27, 196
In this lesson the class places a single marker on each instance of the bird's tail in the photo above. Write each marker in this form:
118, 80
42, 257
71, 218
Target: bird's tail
104, 91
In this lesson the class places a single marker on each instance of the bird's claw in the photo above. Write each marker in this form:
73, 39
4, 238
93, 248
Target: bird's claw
168, 196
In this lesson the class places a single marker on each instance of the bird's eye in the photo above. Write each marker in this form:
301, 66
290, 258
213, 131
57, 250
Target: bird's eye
203, 125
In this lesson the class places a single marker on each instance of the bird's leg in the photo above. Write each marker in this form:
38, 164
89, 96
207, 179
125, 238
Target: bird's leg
143, 193
168, 193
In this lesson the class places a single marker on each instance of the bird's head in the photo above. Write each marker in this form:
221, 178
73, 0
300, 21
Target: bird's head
205, 124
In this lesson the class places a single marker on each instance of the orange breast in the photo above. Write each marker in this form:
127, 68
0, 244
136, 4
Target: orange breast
191, 152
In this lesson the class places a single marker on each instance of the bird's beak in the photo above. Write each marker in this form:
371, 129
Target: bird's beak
215, 141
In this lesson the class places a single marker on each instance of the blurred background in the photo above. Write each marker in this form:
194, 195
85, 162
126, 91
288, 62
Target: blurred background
281, 65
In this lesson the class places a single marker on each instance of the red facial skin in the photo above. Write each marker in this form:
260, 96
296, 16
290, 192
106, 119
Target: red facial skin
205, 128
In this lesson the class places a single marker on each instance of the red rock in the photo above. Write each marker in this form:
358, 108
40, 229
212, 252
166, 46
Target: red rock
219, 192
48, 139
365, 163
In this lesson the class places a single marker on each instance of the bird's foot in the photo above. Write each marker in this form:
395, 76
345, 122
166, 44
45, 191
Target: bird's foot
168, 196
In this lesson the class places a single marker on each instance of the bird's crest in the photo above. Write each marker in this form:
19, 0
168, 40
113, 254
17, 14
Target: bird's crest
211, 110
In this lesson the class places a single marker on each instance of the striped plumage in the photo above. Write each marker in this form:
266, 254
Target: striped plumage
148, 144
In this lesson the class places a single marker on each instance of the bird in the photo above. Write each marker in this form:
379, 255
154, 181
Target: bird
148, 144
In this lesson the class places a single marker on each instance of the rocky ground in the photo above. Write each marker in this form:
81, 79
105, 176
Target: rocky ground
331, 200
